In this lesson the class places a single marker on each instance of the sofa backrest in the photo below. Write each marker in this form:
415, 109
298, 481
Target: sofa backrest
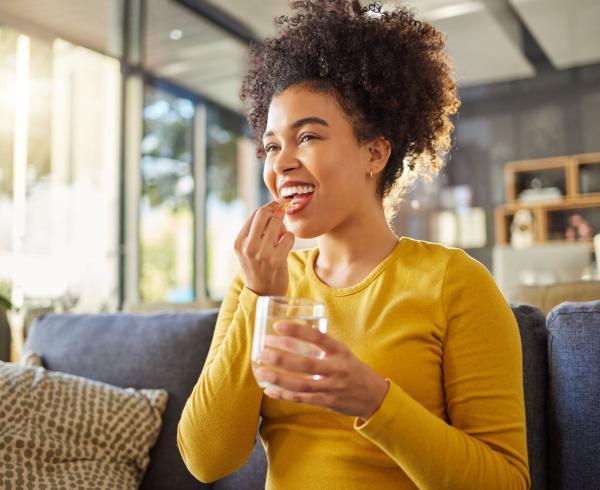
574, 391
532, 327
164, 350
167, 350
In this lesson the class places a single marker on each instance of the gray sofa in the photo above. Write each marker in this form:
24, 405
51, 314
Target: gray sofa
561, 359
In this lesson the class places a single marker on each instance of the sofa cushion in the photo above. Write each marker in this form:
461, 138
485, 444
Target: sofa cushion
165, 350
574, 390
63, 431
532, 327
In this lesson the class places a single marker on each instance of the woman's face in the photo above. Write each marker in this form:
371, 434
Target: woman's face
311, 148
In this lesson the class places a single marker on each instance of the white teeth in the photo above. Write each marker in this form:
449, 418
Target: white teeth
290, 191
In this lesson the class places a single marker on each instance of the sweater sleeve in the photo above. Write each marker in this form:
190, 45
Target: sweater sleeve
484, 443
218, 425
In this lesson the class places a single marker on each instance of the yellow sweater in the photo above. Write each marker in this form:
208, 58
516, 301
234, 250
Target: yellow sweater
431, 320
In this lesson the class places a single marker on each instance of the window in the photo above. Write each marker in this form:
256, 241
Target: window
176, 129
166, 205
59, 171
232, 194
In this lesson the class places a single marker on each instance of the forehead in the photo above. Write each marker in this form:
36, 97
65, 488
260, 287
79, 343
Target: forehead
297, 103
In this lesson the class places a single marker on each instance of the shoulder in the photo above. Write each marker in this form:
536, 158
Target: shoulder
428, 254
456, 257
444, 265
467, 279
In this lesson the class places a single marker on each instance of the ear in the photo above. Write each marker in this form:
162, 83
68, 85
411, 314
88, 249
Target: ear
379, 151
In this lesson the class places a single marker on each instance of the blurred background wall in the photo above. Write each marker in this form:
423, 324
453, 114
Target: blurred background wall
127, 168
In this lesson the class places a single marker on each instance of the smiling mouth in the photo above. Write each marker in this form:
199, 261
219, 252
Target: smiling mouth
296, 190
295, 203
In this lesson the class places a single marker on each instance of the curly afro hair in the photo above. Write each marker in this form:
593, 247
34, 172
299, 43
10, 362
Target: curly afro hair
388, 71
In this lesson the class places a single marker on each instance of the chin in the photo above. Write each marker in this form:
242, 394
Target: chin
305, 231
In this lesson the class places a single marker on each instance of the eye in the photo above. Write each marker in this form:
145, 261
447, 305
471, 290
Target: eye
307, 137
268, 148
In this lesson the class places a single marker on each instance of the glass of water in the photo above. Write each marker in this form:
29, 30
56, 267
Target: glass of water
274, 309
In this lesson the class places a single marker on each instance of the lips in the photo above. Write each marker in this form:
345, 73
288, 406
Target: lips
299, 202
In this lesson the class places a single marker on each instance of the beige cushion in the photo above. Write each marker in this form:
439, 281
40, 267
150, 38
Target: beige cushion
547, 297
63, 431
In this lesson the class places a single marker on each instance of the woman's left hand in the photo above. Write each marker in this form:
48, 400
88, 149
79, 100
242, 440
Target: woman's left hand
337, 381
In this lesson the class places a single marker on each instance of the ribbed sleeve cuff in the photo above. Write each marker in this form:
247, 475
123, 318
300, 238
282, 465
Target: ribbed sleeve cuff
383, 418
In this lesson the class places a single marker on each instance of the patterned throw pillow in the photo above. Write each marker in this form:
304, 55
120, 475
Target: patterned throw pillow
59, 431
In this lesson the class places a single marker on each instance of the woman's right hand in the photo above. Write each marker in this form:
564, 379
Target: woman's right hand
262, 247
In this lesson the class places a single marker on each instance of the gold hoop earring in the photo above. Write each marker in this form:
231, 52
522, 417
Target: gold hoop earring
371, 173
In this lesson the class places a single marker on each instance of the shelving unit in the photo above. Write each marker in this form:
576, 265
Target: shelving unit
577, 179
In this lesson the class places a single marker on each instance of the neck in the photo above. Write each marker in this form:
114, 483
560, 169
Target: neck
363, 241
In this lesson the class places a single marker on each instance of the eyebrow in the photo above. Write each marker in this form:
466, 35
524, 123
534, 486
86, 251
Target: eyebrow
302, 122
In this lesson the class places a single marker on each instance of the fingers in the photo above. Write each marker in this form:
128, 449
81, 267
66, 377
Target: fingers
308, 334
265, 219
294, 382
274, 229
292, 344
300, 357
324, 400
285, 244
261, 220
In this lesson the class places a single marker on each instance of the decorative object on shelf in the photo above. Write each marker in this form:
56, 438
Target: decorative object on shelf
522, 230
578, 228
538, 193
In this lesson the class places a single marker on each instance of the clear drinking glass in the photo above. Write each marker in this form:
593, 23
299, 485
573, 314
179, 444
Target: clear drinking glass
273, 309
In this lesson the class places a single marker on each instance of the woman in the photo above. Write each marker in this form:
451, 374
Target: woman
421, 383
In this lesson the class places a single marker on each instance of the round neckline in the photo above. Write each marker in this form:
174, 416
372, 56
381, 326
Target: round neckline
363, 283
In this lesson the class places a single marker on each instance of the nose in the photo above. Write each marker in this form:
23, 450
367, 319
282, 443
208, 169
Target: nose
286, 160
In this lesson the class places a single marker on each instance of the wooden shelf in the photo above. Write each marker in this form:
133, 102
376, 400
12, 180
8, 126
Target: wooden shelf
590, 201
566, 173
513, 169
586, 160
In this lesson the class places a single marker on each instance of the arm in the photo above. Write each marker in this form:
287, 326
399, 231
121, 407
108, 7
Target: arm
217, 429
485, 445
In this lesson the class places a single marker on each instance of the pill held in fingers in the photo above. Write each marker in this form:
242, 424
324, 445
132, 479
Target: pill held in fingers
286, 204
